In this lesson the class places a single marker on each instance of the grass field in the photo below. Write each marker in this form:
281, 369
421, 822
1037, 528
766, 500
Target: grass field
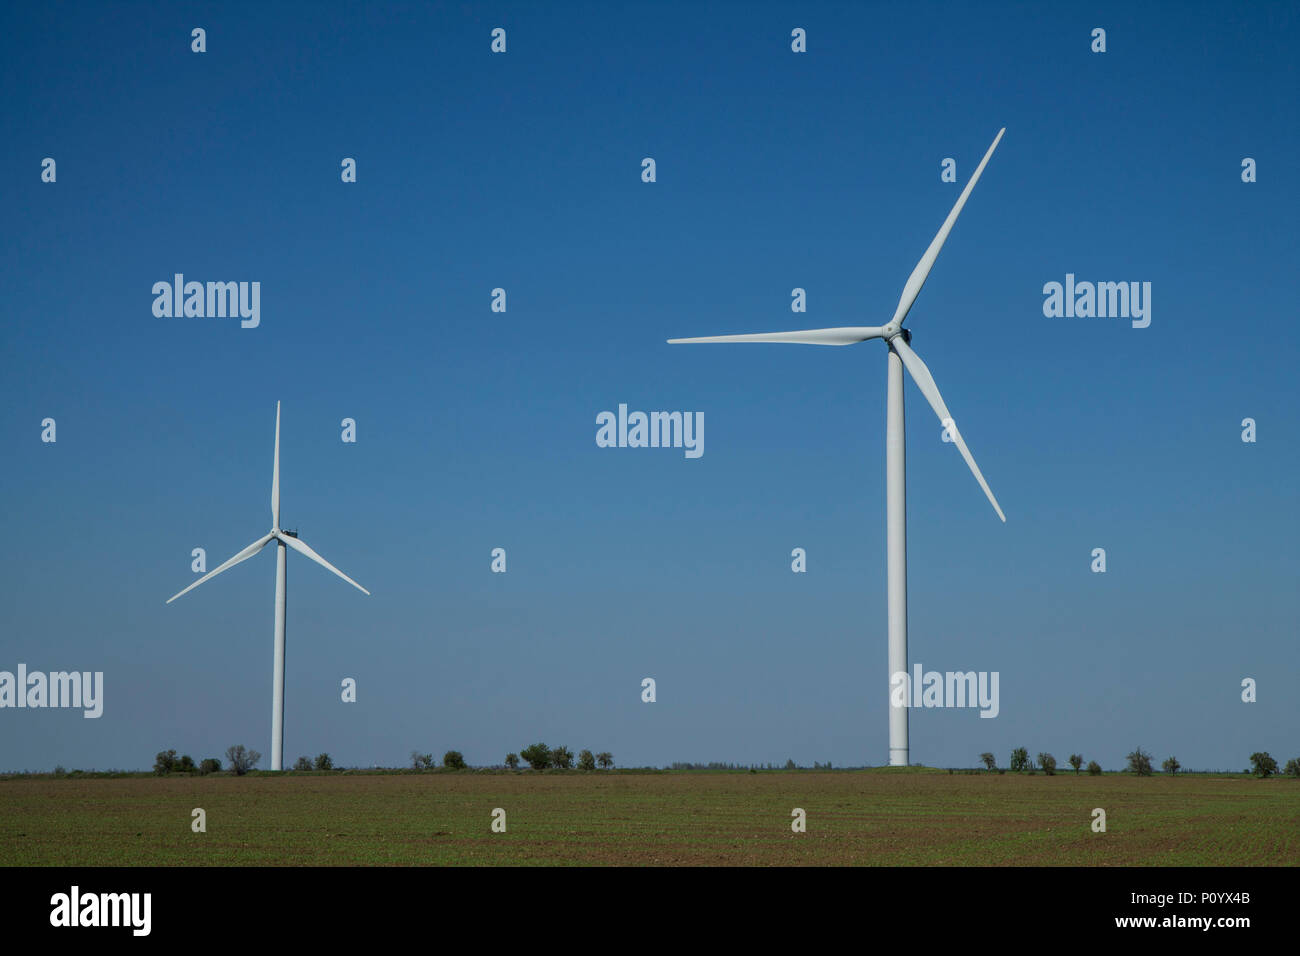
907, 816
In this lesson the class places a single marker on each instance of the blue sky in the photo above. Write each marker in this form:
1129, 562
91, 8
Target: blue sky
476, 429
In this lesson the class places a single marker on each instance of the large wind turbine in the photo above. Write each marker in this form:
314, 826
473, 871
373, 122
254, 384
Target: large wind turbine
283, 539
900, 356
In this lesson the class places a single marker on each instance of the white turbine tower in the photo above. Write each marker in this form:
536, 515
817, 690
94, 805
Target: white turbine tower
900, 356
283, 539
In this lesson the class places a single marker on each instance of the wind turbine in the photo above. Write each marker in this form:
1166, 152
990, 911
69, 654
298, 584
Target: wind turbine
284, 540
900, 356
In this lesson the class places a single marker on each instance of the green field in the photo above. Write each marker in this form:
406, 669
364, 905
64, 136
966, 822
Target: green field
882, 817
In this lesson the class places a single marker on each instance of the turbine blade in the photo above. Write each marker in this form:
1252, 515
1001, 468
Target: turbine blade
275, 474
917, 279
244, 555
303, 548
925, 381
842, 336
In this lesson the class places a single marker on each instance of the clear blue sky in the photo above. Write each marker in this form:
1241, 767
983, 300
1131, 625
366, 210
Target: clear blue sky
477, 429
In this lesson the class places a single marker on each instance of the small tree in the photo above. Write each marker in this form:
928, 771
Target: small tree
185, 764
605, 759
324, 762
538, 756
1263, 764
1139, 762
1171, 766
1048, 763
453, 760
241, 761
1076, 761
586, 760
164, 762
990, 762
302, 763
421, 761
562, 758
1019, 759
1293, 767
209, 765
1094, 768
512, 761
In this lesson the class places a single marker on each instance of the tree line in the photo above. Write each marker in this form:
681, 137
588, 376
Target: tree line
1139, 763
240, 760
538, 756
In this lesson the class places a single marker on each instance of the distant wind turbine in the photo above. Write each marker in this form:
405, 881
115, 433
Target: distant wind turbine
900, 356
283, 539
